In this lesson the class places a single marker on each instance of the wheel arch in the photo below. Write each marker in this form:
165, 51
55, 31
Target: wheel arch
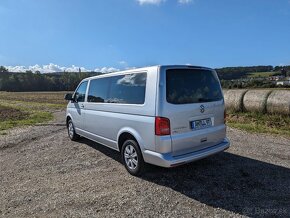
68, 117
129, 133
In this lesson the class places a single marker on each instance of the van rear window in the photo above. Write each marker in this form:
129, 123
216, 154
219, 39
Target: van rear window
185, 86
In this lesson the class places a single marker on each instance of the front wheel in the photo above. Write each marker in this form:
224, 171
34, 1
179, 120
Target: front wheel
71, 131
132, 157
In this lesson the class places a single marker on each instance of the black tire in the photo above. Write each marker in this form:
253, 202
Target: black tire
140, 166
71, 132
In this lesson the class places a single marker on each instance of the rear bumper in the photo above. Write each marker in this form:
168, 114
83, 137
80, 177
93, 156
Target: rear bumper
167, 160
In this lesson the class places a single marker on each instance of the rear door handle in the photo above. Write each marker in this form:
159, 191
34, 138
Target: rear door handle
82, 106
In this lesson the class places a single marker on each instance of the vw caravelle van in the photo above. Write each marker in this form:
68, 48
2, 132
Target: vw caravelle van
162, 115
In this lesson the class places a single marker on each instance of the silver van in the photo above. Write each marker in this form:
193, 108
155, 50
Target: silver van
162, 115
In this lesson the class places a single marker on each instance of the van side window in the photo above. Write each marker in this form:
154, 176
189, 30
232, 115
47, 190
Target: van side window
80, 93
98, 90
128, 89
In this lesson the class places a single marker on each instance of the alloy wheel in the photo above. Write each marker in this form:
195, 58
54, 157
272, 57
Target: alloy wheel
131, 157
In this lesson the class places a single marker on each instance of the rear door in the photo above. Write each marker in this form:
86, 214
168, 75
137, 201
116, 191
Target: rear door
193, 102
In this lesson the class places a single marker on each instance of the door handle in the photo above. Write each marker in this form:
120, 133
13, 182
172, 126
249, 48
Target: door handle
82, 106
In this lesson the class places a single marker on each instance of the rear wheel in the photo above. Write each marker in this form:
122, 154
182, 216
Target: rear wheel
132, 157
71, 131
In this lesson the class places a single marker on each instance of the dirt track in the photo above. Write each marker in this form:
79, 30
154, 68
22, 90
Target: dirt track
43, 173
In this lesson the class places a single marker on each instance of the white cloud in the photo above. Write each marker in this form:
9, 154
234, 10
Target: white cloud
106, 69
74, 68
16, 68
52, 68
184, 1
150, 2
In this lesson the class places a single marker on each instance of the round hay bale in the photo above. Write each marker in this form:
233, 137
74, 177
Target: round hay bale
256, 100
279, 102
234, 99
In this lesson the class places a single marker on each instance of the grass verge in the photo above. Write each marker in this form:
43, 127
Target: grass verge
260, 123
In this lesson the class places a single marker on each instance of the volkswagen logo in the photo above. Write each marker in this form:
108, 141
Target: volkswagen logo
202, 108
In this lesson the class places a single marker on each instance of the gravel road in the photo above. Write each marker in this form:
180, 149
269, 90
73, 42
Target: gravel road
44, 174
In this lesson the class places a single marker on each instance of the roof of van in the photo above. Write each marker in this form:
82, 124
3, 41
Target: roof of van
146, 68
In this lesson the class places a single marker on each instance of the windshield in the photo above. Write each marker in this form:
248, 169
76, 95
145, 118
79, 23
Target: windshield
185, 86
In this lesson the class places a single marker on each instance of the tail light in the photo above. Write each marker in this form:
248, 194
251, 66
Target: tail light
162, 126
225, 116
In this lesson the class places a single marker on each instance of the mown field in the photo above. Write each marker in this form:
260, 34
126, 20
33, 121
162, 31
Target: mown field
56, 98
260, 74
30, 108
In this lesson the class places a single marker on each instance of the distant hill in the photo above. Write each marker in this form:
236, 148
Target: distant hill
232, 73
62, 81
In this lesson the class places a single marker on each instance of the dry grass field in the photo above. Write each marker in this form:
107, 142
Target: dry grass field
28, 108
9, 113
38, 97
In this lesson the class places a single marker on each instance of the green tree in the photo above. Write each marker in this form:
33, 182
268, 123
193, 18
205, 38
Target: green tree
3, 69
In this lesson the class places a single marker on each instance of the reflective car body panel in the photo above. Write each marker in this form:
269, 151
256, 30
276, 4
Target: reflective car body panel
127, 102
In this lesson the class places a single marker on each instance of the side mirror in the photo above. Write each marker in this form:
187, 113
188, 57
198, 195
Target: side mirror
68, 97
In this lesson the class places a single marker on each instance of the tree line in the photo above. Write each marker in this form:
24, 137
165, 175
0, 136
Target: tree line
232, 73
68, 81
29, 81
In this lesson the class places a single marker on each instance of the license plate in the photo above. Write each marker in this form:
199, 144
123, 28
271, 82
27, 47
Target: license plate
201, 124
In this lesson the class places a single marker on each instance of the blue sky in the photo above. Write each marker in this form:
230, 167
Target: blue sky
132, 33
